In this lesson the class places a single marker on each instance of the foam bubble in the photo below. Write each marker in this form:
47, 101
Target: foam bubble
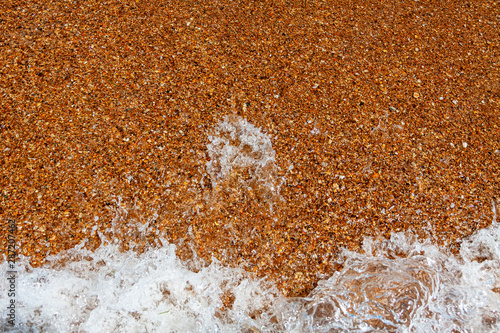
241, 153
406, 285
396, 285
110, 291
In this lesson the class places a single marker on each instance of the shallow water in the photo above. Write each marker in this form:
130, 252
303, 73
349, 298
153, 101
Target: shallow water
396, 285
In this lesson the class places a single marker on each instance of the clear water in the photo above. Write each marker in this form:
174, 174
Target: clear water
396, 285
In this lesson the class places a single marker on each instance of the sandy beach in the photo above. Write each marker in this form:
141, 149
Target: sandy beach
383, 117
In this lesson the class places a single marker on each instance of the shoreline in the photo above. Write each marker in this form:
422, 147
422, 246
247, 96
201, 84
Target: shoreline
389, 115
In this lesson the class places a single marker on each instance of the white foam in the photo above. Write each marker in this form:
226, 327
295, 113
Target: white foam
238, 146
109, 291
405, 285
399, 285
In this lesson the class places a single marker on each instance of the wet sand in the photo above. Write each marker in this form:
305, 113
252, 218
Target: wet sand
384, 117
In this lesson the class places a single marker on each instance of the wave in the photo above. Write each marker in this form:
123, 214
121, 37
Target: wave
401, 284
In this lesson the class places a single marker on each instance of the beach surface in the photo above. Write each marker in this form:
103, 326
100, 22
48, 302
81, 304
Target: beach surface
383, 117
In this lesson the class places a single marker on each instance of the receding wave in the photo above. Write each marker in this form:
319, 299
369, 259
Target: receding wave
401, 284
